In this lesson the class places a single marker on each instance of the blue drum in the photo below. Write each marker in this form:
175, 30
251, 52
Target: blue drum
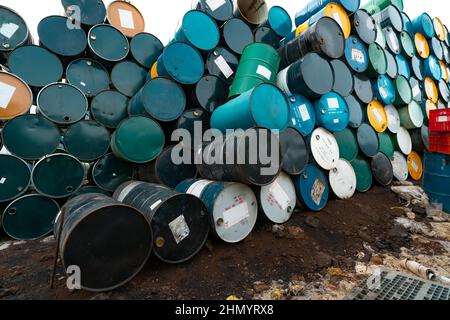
332, 112
312, 188
303, 115
384, 90
356, 54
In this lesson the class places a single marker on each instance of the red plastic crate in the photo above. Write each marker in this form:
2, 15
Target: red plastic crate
440, 120
440, 138
440, 149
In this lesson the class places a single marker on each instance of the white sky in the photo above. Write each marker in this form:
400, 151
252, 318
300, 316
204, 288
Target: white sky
162, 16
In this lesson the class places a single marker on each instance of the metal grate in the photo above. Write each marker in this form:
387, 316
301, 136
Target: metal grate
397, 286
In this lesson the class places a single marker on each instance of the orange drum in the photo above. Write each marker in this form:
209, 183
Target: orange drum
377, 116
15, 96
125, 17
415, 166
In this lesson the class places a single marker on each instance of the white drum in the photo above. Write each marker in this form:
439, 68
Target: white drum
404, 141
325, 149
400, 166
393, 118
343, 180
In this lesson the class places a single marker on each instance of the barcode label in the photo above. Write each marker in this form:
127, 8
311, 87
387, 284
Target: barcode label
9, 29
377, 115
180, 229
333, 103
224, 67
280, 195
215, 4
317, 191
263, 71
6, 94
304, 113
126, 19
358, 56
235, 215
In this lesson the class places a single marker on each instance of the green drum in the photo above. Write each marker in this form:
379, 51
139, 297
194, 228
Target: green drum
374, 6
109, 108
30, 137
15, 177
138, 140
403, 91
378, 63
30, 217
87, 140
387, 145
348, 144
411, 116
109, 172
364, 178
259, 63
58, 176
408, 46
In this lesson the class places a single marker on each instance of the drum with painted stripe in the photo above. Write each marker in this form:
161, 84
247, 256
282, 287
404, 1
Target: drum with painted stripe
58, 176
343, 180
377, 61
303, 115
324, 149
125, 17
389, 16
62, 103
237, 35
332, 112
384, 89
418, 68
279, 21
145, 49
356, 54
444, 91
386, 144
343, 78
109, 172
210, 93
411, 116
180, 222
403, 66
363, 171
435, 181
92, 12
422, 46
407, 44
380, 39
221, 11
393, 118
301, 77
433, 68
268, 36
407, 24
400, 166
138, 140
87, 140
222, 63
15, 36
36, 66
128, 78
355, 111
415, 166
161, 98
181, 62
30, 217
109, 108
403, 141
363, 88
436, 48
107, 44
423, 24
15, 177
30, 137
314, 6
89, 76
382, 169
265, 106
232, 207
364, 26
417, 91
294, 150
259, 63
348, 144
439, 29
312, 188
278, 200
403, 91
125, 244
392, 40
377, 116
170, 168
431, 90
17, 97
368, 140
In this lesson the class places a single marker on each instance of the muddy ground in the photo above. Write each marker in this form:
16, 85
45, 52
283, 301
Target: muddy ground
311, 248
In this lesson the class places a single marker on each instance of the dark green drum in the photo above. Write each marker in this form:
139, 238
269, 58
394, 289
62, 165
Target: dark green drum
145, 49
107, 44
128, 78
92, 12
12, 38
15, 177
109, 172
89, 76
109, 108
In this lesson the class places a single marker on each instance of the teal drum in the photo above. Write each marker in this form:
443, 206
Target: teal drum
435, 181
403, 66
58, 176
199, 30
109, 172
15, 177
36, 66
89, 76
107, 44
62, 103
87, 140
384, 90
161, 98
14, 37
303, 115
138, 140
355, 111
264, 106
189, 120
312, 188
332, 112
92, 12
30, 137
181, 62
109, 108
219, 10
348, 144
363, 171
279, 21
433, 68
128, 78
30, 217
356, 54
145, 49
423, 24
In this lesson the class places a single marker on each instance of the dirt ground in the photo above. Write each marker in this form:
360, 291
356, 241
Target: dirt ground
312, 249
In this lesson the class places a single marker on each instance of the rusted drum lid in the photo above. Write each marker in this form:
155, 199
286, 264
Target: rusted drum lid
15, 96
125, 17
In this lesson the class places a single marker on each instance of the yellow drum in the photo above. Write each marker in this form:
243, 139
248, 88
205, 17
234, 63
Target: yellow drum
125, 17
415, 166
422, 45
429, 105
444, 71
377, 116
154, 71
431, 90
439, 28
15, 96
